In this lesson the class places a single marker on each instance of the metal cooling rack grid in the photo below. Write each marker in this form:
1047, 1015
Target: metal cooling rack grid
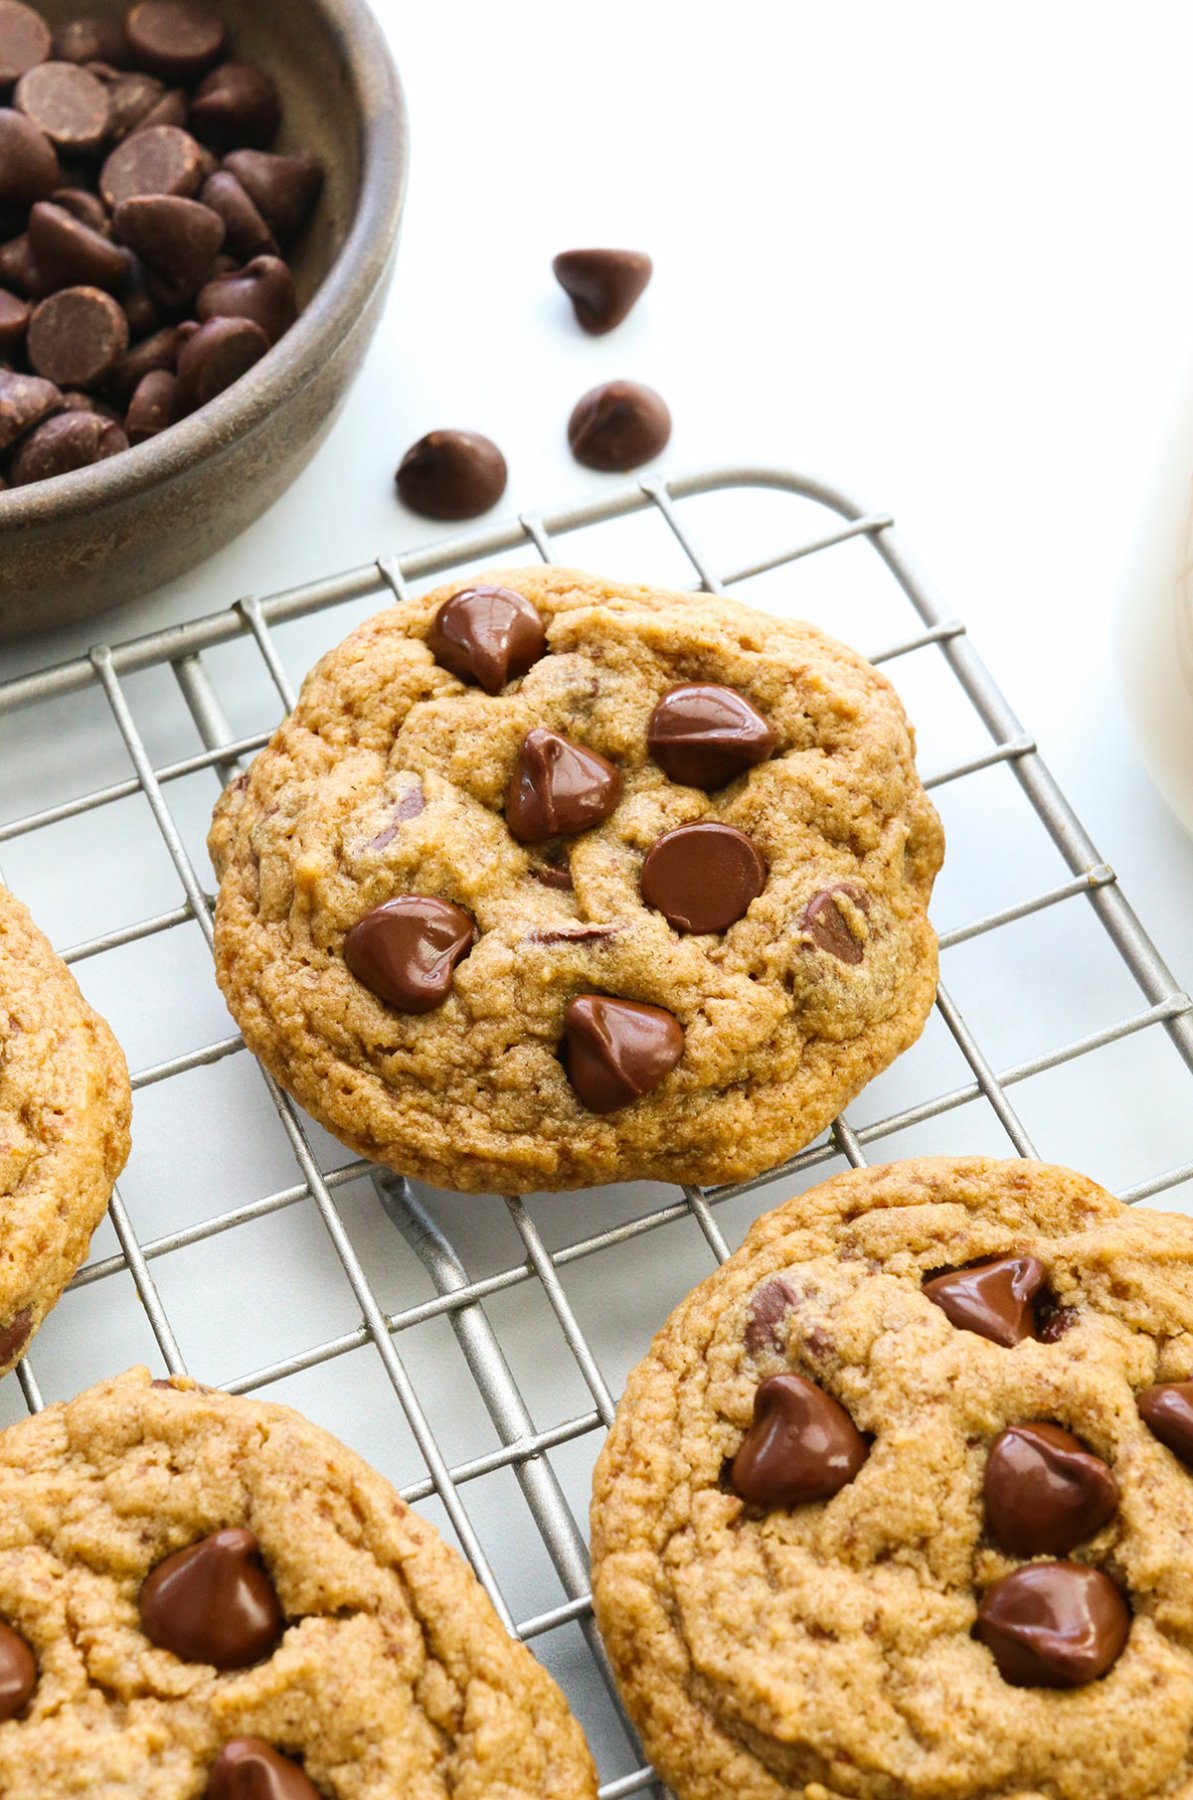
552, 1263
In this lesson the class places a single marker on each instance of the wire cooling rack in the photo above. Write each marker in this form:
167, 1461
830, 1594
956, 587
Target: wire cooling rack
504, 1328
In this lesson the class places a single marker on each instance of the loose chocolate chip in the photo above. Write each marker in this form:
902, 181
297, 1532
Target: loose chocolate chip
91, 39
248, 234
176, 239
131, 97
1167, 1411
218, 354
406, 950
14, 1336
28, 163
173, 109
249, 1769
76, 337
213, 1603
488, 635
69, 441
768, 1311
160, 160
558, 788
142, 309
14, 320
827, 924
151, 354
18, 1673
264, 292
153, 407
282, 188
603, 285
87, 208
702, 735
68, 104
993, 1299
237, 106
173, 39
620, 425
615, 1051
25, 41
25, 400
70, 254
702, 877
1045, 1493
1054, 1625
19, 271
452, 475
802, 1446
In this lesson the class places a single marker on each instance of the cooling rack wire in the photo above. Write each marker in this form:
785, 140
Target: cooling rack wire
561, 1301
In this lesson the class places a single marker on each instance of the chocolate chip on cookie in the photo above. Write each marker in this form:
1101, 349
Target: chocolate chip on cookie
213, 1603
826, 921
994, 1298
1055, 1625
702, 877
802, 1446
1167, 1411
406, 950
249, 1769
18, 1673
488, 635
615, 1051
1045, 1493
704, 735
558, 788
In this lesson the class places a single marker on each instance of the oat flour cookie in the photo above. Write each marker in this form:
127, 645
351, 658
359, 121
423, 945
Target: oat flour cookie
64, 1114
876, 1522
206, 1583
549, 881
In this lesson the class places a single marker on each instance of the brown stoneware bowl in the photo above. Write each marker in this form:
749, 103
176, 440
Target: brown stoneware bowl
75, 545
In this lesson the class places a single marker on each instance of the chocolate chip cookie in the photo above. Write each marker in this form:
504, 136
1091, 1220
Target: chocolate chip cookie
206, 1596
900, 1504
64, 1115
549, 881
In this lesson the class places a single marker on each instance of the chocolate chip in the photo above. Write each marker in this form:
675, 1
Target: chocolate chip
558, 788
1054, 1625
151, 354
173, 39
174, 109
1045, 1493
248, 234
14, 1336
160, 160
87, 208
77, 336
176, 239
768, 1311
615, 1051
68, 104
69, 441
282, 188
213, 1603
25, 40
90, 39
19, 271
702, 877
14, 320
218, 354
236, 105
263, 292
76, 402
28, 163
18, 1673
603, 285
406, 950
1167, 1411
452, 475
249, 1769
992, 1299
142, 310
25, 400
802, 1446
153, 407
826, 923
572, 934
132, 96
703, 735
411, 804
70, 254
1055, 1322
620, 425
489, 635
553, 875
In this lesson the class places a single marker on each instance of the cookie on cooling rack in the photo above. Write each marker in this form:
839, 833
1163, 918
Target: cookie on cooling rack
64, 1115
900, 1504
548, 881
203, 1595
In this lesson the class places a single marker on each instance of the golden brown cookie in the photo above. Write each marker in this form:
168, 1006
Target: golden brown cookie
446, 925
203, 1579
876, 1522
64, 1116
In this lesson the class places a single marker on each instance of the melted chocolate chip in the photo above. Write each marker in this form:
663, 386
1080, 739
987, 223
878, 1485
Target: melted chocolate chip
452, 475
1045, 1493
1167, 1411
615, 1051
702, 877
250, 1769
558, 788
620, 425
993, 1299
213, 1603
488, 635
703, 735
572, 934
406, 950
602, 285
408, 807
768, 1312
15, 1336
802, 1446
18, 1673
1054, 1625
826, 924
553, 875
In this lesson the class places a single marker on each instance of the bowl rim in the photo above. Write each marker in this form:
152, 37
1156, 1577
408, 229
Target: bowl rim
245, 407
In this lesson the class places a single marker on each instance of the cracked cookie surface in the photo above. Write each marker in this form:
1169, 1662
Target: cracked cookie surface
64, 1117
825, 1650
393, 1675
392, 776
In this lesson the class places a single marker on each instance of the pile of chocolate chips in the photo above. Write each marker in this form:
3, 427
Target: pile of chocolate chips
144, 221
